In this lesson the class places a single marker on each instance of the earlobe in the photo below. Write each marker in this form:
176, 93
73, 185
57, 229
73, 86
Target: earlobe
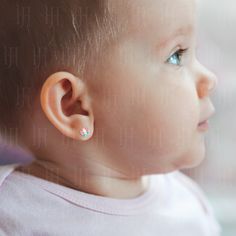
66, 103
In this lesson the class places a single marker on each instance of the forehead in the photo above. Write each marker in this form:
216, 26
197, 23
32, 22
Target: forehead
160, 18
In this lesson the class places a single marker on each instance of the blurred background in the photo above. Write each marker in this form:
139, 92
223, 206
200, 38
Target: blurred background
216, 50
217, 173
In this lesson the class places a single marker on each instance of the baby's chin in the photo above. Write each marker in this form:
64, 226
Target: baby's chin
190, 159
193, 158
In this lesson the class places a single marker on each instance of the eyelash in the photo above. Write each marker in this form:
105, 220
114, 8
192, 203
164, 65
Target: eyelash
180, 53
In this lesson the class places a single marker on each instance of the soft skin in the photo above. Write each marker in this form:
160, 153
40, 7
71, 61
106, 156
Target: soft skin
142, 108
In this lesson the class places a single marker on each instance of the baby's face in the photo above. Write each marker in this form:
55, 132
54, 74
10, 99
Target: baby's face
150, 99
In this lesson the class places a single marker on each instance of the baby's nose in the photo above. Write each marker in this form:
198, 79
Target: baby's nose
207, 82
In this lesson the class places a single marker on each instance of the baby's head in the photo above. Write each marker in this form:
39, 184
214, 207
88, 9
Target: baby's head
125, 70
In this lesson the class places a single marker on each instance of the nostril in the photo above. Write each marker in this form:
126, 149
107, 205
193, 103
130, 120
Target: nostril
203, 89
207, 85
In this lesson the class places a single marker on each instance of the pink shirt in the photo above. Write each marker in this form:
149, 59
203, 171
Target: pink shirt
173, 205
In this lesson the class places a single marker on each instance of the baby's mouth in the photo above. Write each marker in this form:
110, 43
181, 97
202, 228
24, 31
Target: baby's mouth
204, 125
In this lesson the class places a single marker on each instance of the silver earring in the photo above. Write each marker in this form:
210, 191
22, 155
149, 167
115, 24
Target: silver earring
84, 132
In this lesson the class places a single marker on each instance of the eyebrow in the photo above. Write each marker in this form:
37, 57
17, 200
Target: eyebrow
180, 31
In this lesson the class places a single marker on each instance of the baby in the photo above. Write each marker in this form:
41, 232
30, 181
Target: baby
109, 98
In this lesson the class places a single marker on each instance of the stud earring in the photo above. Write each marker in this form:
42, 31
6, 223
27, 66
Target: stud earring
84, 132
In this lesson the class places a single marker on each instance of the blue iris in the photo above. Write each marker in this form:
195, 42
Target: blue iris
175, 58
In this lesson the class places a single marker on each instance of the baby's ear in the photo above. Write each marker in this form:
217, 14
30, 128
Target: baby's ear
66, 103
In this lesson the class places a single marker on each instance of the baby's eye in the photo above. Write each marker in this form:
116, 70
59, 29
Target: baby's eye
175, 58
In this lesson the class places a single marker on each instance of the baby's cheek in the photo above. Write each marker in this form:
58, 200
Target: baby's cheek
173, 122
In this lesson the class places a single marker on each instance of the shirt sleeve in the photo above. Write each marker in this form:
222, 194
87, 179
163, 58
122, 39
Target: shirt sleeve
204, 202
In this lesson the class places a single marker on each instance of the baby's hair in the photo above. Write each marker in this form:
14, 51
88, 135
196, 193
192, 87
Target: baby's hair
38, 38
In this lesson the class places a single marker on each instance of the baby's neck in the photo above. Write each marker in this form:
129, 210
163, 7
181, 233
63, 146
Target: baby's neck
93, 184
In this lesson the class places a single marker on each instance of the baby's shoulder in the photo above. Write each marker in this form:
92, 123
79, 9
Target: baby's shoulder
15, 192
5, 173
9, 196
10, 190
195, 190
192, 187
